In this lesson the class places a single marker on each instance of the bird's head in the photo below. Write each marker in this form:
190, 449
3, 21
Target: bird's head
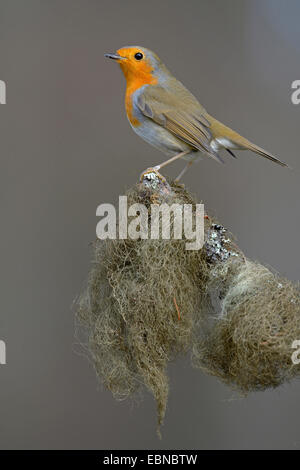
138, 63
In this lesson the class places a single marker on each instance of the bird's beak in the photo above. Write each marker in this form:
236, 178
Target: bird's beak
114, 56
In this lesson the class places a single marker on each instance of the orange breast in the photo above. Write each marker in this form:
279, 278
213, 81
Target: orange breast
132, 87
133, 84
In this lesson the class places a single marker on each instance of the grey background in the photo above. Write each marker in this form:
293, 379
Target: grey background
66, 147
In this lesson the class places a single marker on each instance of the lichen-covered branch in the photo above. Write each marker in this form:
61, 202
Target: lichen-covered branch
146, 301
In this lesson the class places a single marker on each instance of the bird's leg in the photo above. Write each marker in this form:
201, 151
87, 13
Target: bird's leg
178, 155
156, 168
187, 166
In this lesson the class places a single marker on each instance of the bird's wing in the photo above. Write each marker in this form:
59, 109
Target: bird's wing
182, 116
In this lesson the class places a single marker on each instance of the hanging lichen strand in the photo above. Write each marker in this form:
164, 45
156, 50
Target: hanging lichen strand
146, 301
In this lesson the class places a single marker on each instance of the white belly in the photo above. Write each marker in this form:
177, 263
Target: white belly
160, 137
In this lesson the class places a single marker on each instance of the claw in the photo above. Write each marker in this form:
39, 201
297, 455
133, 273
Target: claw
154, 180
152, 174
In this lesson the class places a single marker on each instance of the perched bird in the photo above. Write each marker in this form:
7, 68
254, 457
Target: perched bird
164, 113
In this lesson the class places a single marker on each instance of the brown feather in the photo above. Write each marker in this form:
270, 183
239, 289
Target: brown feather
238, 142
181, 114
176, 109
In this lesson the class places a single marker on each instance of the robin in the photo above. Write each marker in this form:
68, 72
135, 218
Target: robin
164, 113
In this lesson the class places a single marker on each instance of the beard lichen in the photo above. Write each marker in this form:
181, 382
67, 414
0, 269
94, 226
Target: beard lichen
146, 301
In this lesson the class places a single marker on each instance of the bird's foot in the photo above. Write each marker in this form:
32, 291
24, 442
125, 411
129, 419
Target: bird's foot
154, 180
152, 174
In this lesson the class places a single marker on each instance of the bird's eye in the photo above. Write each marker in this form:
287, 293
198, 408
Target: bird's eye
138, 56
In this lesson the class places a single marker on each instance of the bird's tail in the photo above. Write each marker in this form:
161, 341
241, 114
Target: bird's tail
232, 140
259, 151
